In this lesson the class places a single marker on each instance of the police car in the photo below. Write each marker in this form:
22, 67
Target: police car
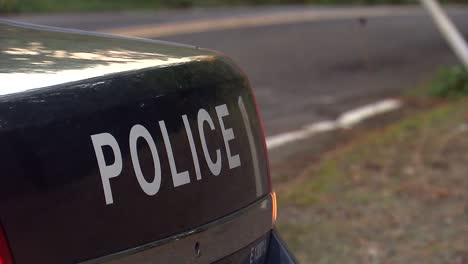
129, 151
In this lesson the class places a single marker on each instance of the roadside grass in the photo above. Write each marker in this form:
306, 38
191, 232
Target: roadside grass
330, 172
15, 6
396, 195
393, 195
450, 82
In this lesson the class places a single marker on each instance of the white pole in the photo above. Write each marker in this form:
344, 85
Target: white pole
448, 30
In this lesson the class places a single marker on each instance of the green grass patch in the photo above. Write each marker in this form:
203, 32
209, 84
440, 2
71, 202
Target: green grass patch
294, 233
393, 195
449, 83
12, 6
367, 154
310, 192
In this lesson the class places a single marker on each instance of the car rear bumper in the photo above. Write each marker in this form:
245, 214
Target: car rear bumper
245, 236
278, 253
269, 249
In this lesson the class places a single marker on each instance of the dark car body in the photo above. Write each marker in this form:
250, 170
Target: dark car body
118, 150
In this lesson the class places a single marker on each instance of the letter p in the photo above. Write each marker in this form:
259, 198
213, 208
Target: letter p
111, 170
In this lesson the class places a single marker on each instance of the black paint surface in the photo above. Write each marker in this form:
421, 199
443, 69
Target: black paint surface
51, 198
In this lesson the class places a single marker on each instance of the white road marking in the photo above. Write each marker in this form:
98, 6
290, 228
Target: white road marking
346, 120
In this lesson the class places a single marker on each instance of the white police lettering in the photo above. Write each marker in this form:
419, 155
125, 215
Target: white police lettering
196, 163
180, 175
139, 131
228, 135
107, 171
178, 178
215, 166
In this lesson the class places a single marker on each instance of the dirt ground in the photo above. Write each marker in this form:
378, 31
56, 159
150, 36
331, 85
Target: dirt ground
394, 194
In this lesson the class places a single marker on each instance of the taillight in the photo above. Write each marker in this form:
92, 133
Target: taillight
5, 255
274, 211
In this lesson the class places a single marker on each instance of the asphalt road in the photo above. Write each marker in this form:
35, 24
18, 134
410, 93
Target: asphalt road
305, 72
308, 72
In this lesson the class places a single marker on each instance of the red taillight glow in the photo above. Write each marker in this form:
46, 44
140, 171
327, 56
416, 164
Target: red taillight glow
274, 211
5, 255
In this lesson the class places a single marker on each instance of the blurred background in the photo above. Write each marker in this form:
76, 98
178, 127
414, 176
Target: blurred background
94, 5
364, 105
